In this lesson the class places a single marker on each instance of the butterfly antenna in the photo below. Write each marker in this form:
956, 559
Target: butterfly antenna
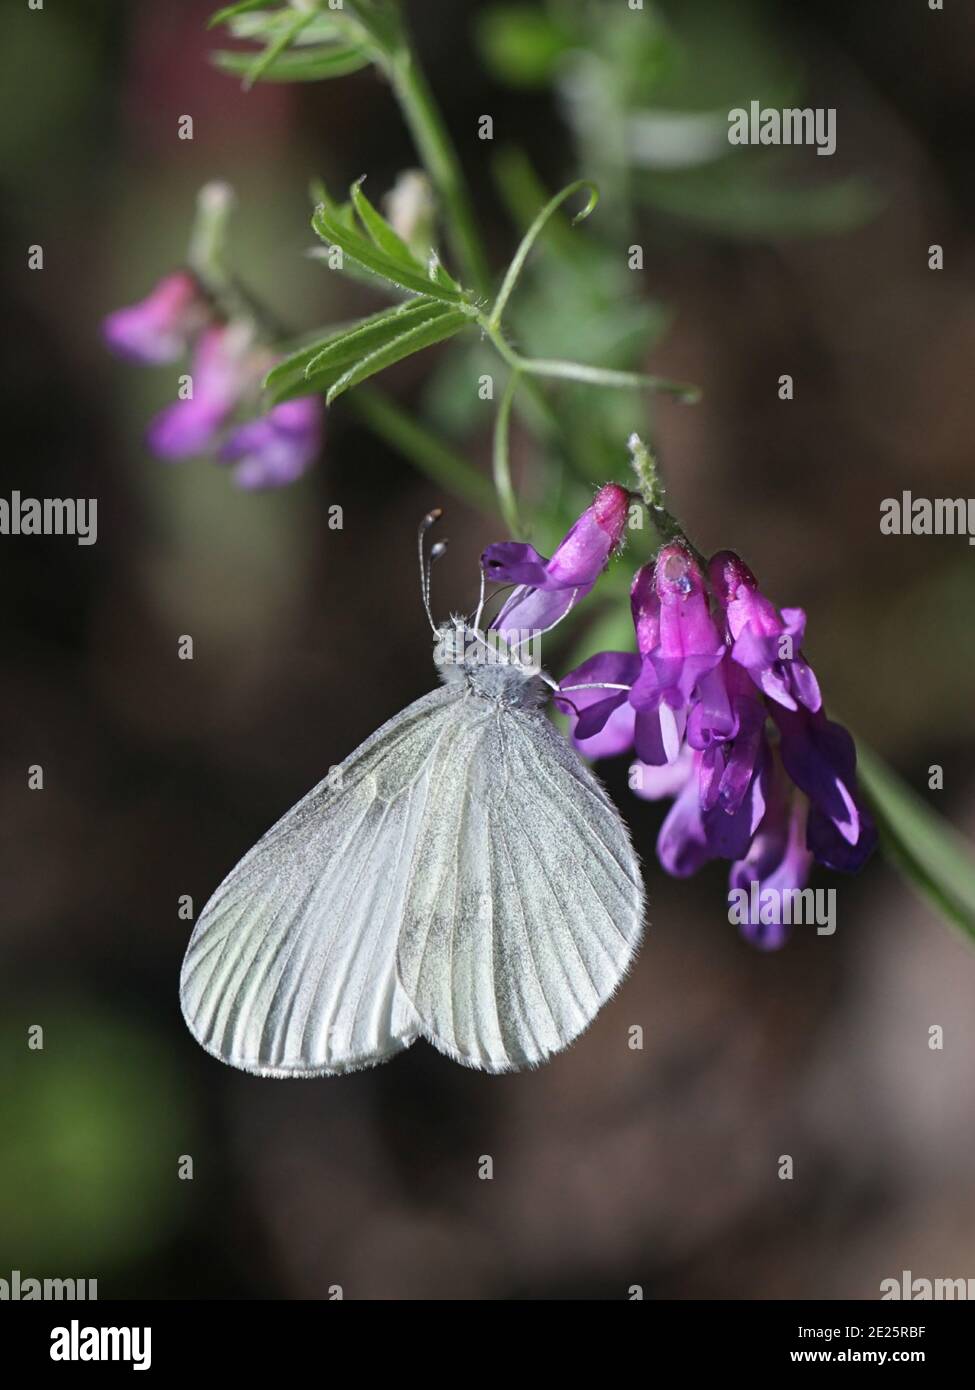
427, 564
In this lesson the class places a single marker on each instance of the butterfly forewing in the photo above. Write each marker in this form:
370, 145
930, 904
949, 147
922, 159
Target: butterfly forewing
291, 967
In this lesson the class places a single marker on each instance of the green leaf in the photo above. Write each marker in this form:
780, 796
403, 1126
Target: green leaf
231, 11
265, 25
364, 341
521, 44
404, 273
344, 346
424, 335
439, 273
932, 855
275, 49
298, 65
380, 232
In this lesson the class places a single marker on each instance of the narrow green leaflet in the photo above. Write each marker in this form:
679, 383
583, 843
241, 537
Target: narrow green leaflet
931, 854
343, 346
354, 346
403, 272
260, 24
274, 50
297, 65
232, 11
440, 275
381, 233
414, 340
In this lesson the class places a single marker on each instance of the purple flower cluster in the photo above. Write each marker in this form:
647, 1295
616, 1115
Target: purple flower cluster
226, 371
718, 704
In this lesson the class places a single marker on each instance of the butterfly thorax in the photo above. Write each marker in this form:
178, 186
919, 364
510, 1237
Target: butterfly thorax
488, 665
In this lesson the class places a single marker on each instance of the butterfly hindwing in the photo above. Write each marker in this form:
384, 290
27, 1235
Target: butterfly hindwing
525, 902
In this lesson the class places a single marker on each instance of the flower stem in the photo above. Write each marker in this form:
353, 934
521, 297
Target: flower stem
652, 491
507, 500
440, 159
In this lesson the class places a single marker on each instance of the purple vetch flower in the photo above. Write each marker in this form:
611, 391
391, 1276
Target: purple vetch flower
766, 644
547, 589
726, 719
278, 447
223, 369
160, 327
777, 859
675, 667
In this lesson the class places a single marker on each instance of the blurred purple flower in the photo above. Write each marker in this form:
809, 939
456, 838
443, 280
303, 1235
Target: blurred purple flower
278, 447
160, 327
221, 372
547, 589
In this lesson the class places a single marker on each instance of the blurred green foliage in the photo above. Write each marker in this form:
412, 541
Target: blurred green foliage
94, 1124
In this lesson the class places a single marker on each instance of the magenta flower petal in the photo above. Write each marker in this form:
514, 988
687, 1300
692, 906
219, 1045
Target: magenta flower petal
777, 859
601, 721
682, 845
513, 562
277, 448
648, 734
820, 757
536, 610
766, 644
220, 372
547, 589
159, 328
614, 737
653, 782
680, 646
832, 848
691, 836
184, 429
581, 556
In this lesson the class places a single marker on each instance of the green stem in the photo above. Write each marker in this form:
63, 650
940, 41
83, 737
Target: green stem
441, 162
532, 235
651, 489
605, 376
423, 448
208, 238
581, 371
502, 462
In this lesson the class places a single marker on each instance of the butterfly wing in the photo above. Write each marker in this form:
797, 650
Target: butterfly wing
525, 902
291, 968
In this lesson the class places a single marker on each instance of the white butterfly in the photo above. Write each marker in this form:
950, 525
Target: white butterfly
466, 879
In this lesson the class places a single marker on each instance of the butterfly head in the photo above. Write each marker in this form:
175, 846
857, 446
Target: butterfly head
493, 666
488, 665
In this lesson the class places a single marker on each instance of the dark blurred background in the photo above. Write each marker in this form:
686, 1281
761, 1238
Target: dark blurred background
613, 1167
